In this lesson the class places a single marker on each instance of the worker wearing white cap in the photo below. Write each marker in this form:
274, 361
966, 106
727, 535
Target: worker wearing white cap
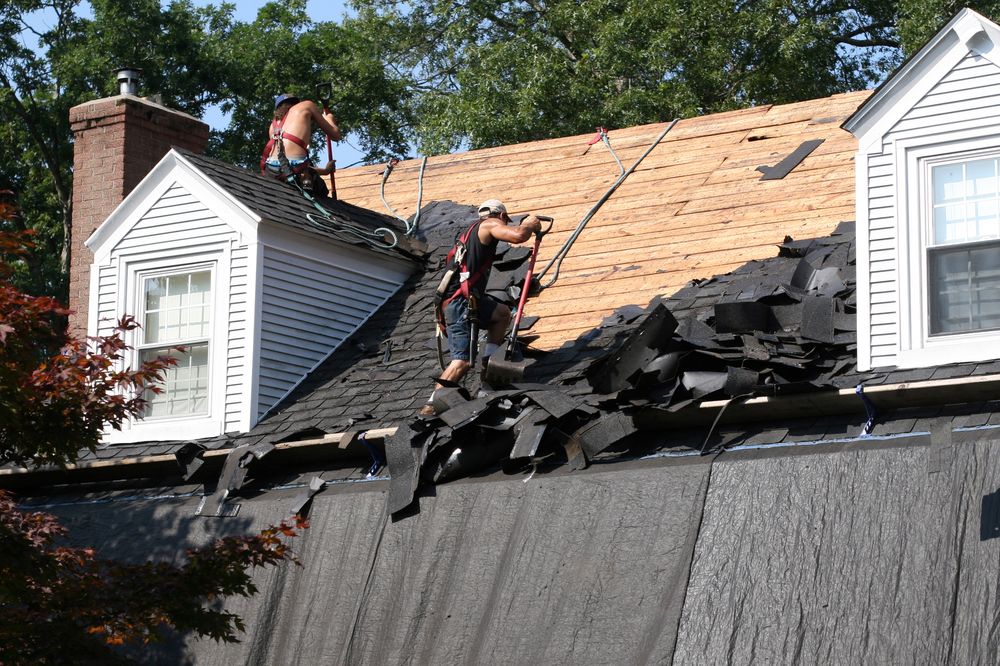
480, 246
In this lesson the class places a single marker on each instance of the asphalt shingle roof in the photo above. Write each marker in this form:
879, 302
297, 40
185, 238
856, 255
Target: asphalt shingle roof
282, 204
384, 372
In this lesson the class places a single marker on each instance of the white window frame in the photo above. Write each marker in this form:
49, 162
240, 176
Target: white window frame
193, 426
914, 160
210, 340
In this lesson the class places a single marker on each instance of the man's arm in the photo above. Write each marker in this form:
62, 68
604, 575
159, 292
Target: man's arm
325, 121
515, 235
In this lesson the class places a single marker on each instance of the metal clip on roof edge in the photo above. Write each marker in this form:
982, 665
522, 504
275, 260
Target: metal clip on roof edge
869, 409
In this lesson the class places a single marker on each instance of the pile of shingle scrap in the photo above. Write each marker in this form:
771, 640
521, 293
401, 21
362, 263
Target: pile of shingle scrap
782, 325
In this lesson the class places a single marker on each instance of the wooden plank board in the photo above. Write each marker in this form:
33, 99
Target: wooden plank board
694, 208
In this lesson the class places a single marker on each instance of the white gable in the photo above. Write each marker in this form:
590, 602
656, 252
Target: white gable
173, 171
281, 300
967, 34
942, 106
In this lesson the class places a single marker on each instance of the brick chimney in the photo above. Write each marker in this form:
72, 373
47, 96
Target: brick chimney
117, 141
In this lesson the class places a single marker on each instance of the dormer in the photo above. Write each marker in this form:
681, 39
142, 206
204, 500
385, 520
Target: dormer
251, 279
928, 204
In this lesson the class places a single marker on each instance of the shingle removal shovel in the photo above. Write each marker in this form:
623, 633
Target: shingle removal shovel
503, 368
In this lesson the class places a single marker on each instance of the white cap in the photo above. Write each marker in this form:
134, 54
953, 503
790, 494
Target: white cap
492, 207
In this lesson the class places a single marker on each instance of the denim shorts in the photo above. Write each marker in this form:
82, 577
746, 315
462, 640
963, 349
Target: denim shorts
274, 166
456, 316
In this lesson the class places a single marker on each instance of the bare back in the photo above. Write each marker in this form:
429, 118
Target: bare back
298, 122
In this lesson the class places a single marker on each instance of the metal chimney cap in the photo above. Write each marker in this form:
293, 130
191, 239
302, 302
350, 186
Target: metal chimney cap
128, 80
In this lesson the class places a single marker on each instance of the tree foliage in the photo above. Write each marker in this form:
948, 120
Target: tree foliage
68, 605
59, 60
52, 58
58, 393
282, 50
431, 74
489, 72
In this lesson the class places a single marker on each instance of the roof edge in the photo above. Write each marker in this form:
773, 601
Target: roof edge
963, 28
957, 390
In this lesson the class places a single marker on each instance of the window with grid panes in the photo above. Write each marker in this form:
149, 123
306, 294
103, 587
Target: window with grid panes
177, 312
963, 252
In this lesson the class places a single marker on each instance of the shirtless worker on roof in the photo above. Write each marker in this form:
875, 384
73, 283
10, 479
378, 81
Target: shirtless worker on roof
481, 246
289, 135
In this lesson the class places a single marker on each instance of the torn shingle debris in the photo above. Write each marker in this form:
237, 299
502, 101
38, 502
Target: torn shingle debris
785, 166
780, 326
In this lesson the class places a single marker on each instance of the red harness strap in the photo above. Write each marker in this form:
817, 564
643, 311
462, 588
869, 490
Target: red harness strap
465, 285
277, 134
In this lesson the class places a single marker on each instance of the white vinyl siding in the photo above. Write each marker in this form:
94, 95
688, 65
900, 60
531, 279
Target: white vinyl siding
308, 308
282, 300
239, 339
882, 243
179, 225
966, 100
176, 221
941, 105
108, 311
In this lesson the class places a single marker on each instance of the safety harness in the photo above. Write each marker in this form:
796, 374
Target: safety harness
301, 175
277, 134
457, 265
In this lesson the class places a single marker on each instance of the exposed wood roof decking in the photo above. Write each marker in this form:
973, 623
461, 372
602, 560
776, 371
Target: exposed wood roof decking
694, 208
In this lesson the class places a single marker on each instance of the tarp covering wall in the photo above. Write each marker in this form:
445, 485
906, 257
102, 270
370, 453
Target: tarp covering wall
869, 553
866, 556
568, 569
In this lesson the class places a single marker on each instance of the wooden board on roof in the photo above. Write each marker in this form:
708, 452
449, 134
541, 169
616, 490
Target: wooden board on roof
694, 208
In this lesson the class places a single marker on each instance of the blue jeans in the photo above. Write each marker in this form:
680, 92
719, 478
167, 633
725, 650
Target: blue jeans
456, 317
274, 166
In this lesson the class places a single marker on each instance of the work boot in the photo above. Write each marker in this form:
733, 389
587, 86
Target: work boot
427, 411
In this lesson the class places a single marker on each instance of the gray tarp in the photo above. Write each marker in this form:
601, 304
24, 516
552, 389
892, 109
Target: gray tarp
865, 556
868, 553
564, 569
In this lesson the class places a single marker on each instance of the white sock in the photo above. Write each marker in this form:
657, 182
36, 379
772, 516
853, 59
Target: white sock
431, 399
490, 348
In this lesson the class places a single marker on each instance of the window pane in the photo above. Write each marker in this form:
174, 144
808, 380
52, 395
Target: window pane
965, 289
948, 183
965, 201
155, 289
201, 286
151, 327
177, 307
987, 222
185, 385
981, 177
949, 223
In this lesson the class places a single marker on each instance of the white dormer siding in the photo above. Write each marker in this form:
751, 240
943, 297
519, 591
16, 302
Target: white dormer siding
257, 305
942, 108
178, 231
313, 298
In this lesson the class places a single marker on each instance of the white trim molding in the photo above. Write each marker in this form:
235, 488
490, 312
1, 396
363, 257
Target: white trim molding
914, 160
211, 424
